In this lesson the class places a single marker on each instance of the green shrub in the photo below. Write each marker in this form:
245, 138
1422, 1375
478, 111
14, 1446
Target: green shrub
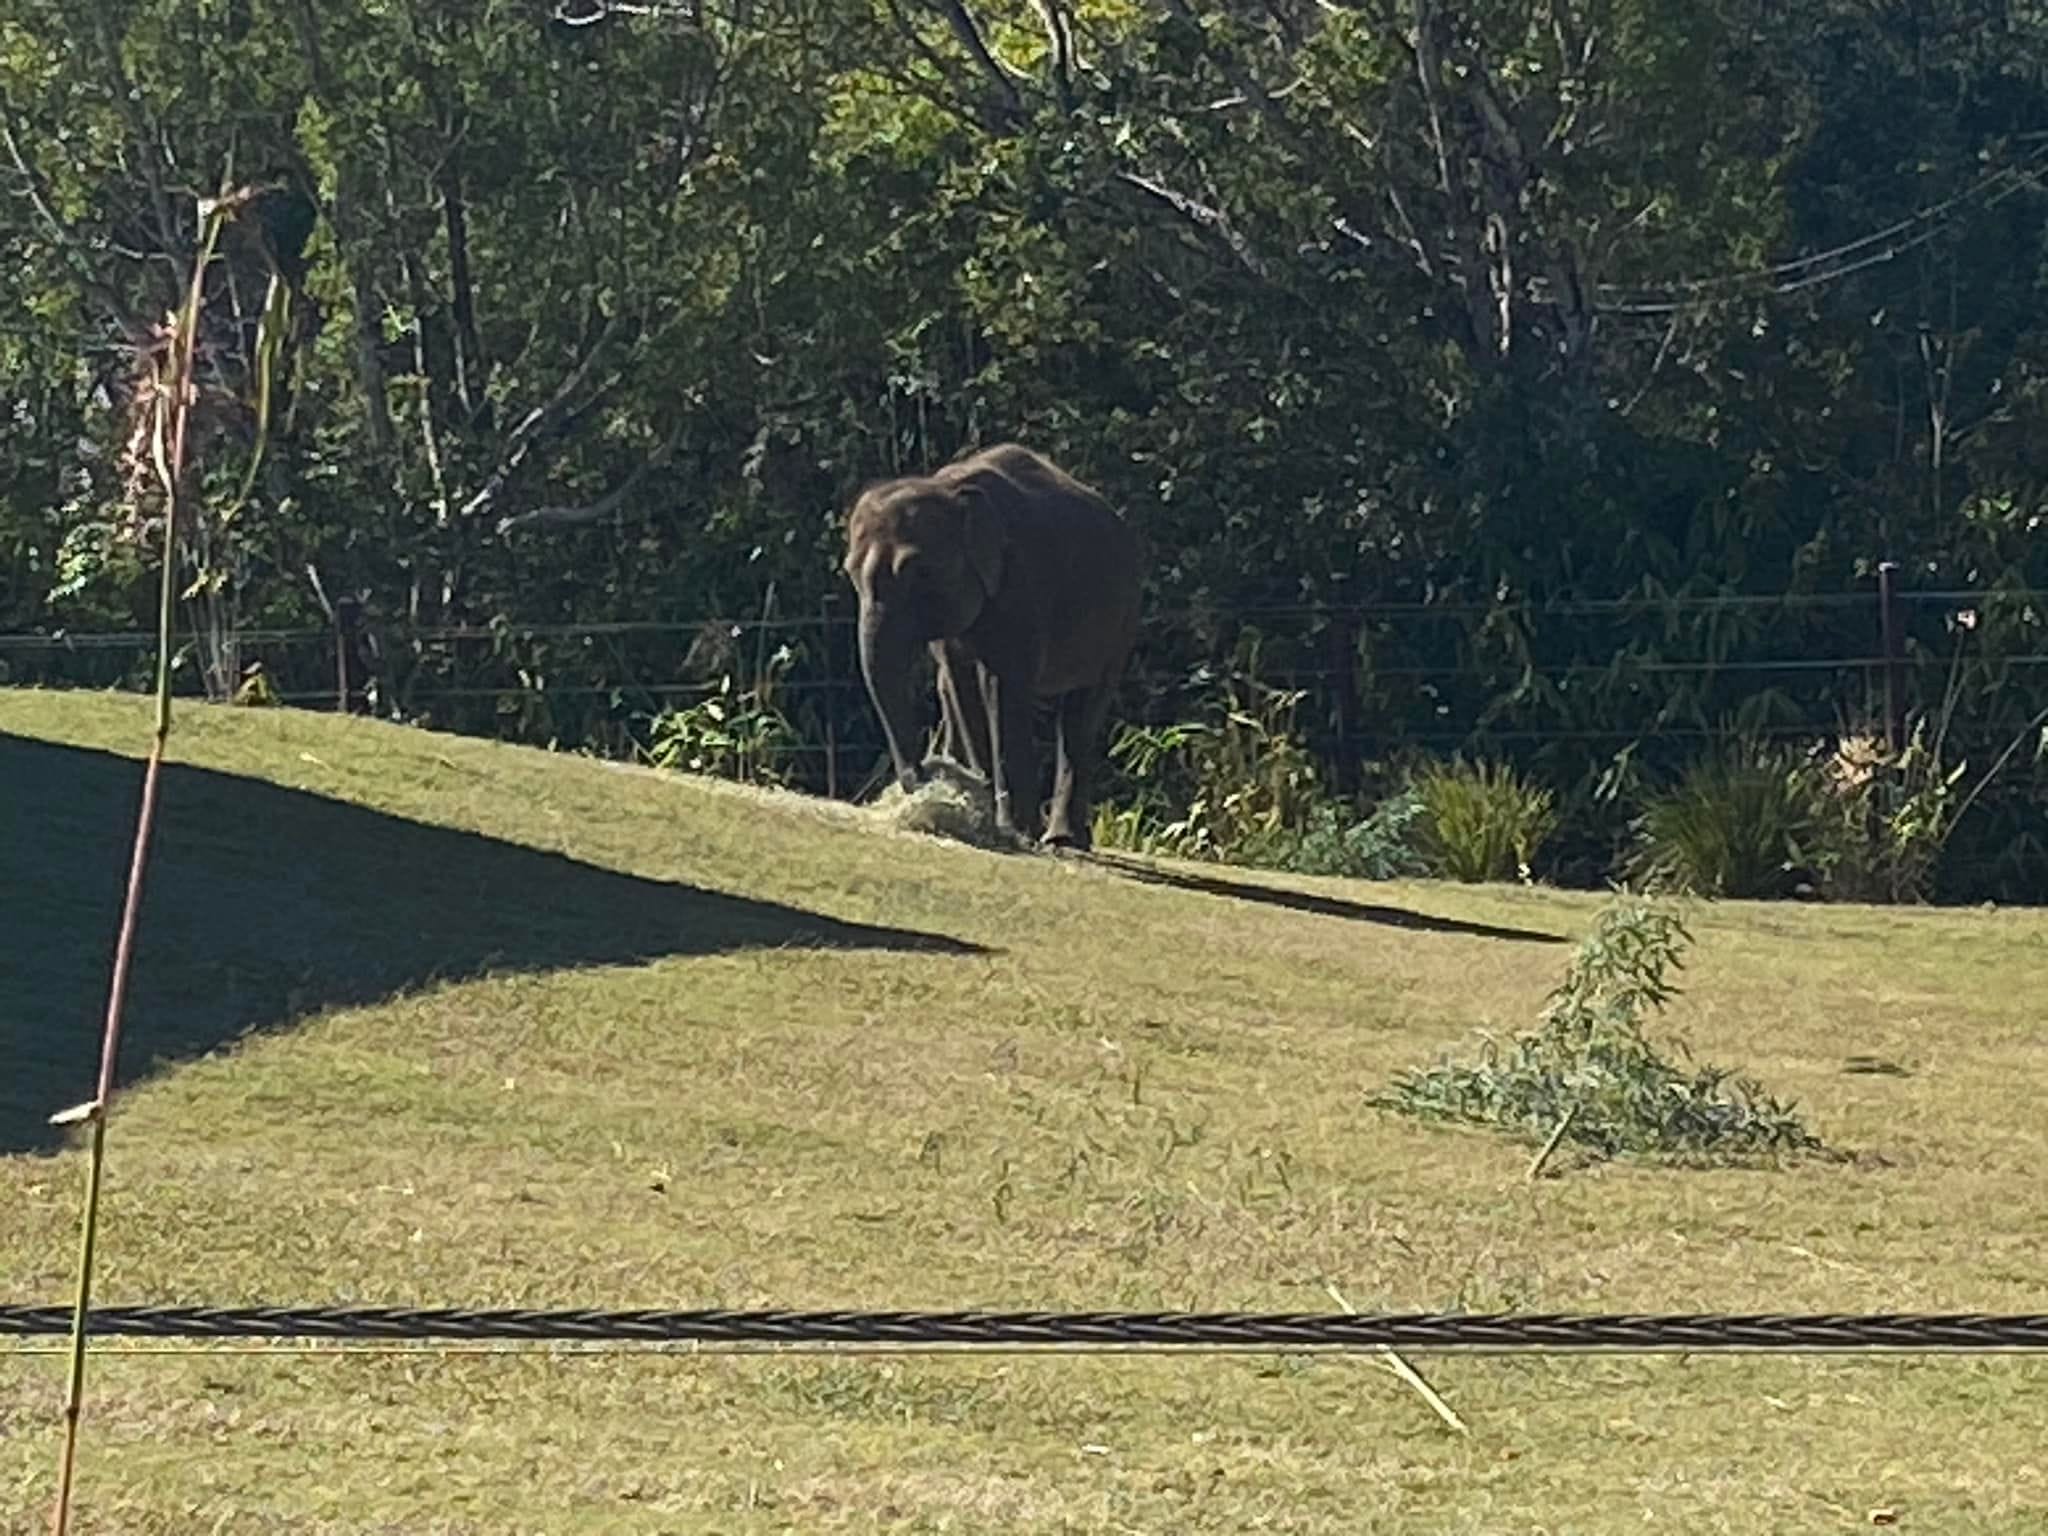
1737, 824
1481, 821
1589, 1075
734, 732
1242, 789
1333, 842
1210, 789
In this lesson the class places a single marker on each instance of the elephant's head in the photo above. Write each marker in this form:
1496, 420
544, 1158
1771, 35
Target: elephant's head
925, 558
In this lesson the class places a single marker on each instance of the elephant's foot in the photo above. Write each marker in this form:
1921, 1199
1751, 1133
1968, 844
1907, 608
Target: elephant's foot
1006, 819
1070, 839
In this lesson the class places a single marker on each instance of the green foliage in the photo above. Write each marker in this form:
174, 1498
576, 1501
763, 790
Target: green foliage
1216, 788
1890, 815
1854, 819
1242, 788
1739, 823
724, 269
735, 732
1481, 821
1589, 1074
1332, 841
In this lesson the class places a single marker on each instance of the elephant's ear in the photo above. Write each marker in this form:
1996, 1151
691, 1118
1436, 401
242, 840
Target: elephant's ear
984, 537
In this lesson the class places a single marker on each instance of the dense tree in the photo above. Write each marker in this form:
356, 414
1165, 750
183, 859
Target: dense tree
1563, 337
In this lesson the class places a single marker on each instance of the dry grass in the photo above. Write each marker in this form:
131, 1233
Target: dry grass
524, 1030
953, 802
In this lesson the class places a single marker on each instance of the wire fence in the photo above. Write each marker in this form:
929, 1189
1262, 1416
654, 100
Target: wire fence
1959, 598
642, 666
1663, 677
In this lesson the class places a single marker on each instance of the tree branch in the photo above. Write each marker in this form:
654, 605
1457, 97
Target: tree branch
68, 239
148, 139
1059, 34
535, 426
1486, 331
1210, 220
604, 506
940, 66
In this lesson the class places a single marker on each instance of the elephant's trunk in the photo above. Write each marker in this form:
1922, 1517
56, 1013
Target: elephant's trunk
887, 650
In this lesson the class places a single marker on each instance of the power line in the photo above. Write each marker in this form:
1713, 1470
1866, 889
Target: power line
1883, 243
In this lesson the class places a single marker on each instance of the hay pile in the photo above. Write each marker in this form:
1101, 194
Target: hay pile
954, 802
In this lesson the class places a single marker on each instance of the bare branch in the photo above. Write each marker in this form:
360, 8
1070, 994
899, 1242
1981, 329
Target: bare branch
535, 426
148, 138
1210, 220
1429, 69
1411, 236
604, 506
1656, 366
1059, 34
604, 10
1241, 98
1490, 333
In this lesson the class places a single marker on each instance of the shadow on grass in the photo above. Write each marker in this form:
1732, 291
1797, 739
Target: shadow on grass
264, 905
1325, 906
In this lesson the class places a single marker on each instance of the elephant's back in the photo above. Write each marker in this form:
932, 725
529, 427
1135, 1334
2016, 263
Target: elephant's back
1039, 495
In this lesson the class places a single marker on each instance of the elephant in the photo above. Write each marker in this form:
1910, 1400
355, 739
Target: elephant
1022, 584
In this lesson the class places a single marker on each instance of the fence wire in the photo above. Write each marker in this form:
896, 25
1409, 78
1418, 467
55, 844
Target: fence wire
1055, 1332
844, 620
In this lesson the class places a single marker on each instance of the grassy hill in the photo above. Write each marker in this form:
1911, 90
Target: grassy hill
422, 1019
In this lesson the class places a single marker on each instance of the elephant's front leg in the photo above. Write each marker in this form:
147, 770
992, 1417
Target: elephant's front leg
1012, 758
964, 721
1082, 715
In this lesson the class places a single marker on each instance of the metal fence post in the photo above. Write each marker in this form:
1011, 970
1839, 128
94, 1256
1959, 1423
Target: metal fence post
830, 693
1891, 633
345, 618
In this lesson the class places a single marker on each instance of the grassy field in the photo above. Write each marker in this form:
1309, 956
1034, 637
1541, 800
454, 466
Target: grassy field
428, 1020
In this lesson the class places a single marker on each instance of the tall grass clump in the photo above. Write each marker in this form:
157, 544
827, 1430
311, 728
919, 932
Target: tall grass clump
1589, 1074
1889, 814
1738, 823
1481, 821
1853, 817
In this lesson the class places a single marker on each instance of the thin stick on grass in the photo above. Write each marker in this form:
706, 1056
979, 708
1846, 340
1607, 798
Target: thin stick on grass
170, 406
1564, 1124
1401, 1368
